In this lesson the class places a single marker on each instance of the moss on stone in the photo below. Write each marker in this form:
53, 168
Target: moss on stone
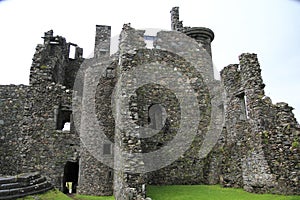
295, 144
43, 67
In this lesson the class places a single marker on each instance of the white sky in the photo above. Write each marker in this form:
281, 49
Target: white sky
270, 28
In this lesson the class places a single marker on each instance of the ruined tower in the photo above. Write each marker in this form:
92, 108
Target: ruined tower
125, 108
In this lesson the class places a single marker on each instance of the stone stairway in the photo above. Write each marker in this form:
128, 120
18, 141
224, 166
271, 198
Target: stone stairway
12, 187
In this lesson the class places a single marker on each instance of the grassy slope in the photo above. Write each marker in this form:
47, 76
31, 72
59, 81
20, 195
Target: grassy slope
203, 192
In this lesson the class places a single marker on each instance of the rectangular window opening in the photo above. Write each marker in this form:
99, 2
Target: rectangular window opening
63, 118
54, 42
106, 149
72, 51
149, 41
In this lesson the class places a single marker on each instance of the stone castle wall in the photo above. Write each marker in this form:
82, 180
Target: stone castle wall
261, 155
257, 148
32, 132
12, 101
96, 117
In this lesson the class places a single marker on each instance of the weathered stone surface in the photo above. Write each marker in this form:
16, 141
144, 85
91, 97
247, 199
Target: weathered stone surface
257, 149
32, 134
12, 187
266, 136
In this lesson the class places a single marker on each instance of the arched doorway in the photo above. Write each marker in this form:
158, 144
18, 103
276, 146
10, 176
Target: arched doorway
71, 170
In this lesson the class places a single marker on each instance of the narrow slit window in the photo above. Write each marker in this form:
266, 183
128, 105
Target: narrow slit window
243, 104
110, 175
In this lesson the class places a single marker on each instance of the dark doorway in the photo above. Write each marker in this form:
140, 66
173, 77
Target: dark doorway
70, 175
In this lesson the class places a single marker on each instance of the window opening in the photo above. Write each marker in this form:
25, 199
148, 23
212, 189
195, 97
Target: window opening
106, 149
66, 126
72, 51
155, 116
149, 41
110, 175
63, 118
243, 104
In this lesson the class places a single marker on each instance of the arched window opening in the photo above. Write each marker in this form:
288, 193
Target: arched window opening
156, 116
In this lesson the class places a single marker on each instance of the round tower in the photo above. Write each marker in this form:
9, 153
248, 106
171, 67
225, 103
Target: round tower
202, 35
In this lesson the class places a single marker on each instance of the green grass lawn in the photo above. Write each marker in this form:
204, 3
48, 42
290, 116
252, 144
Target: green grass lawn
176, 192
57, 195
50, 195
86, 197
204, 192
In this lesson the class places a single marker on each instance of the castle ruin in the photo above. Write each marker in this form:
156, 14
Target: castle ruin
238, 137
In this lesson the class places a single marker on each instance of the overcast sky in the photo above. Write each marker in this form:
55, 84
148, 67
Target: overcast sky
270, 28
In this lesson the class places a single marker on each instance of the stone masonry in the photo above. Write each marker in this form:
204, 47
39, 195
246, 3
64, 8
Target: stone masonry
239, 138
